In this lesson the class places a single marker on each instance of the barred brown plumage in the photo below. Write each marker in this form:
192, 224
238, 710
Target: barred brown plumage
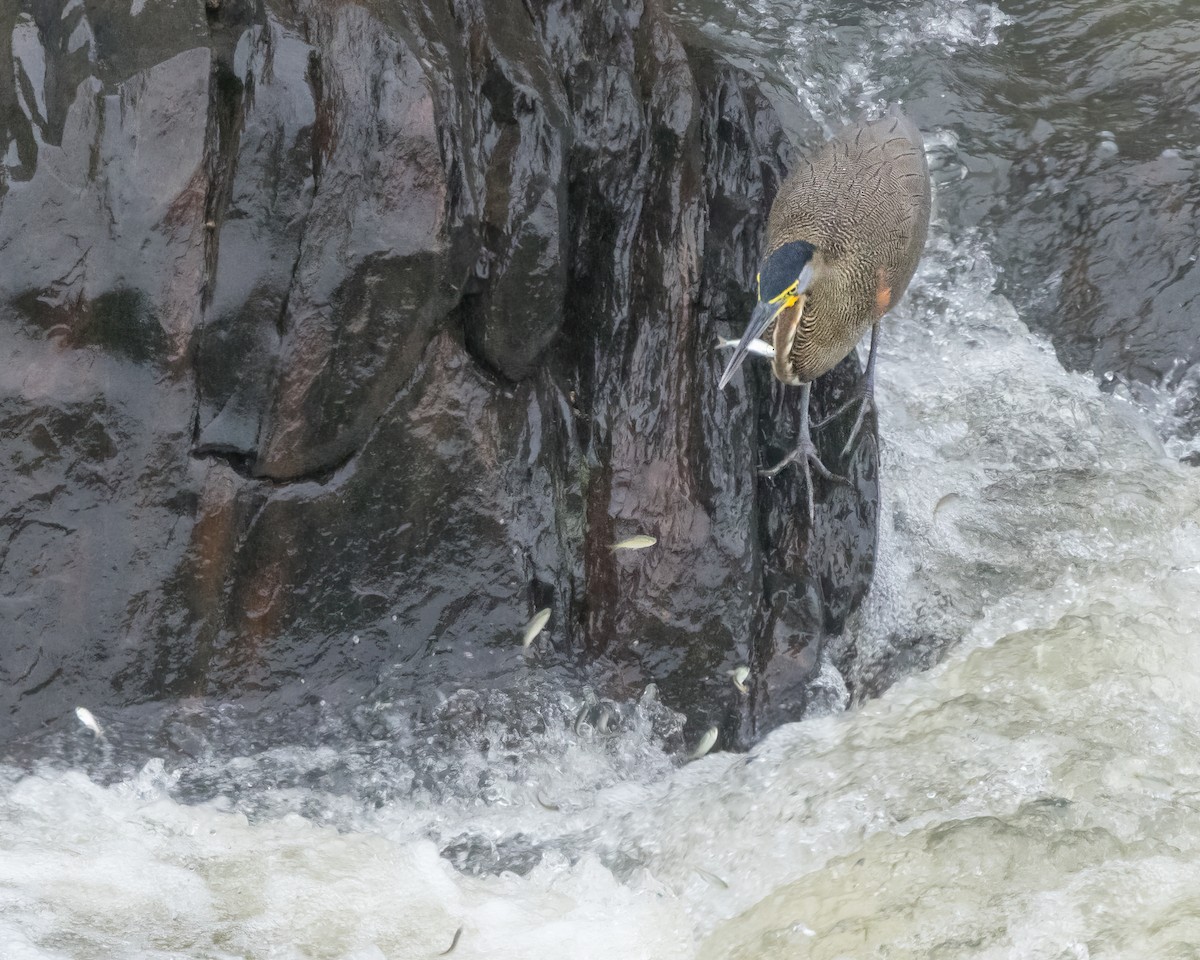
862, 201
844, 236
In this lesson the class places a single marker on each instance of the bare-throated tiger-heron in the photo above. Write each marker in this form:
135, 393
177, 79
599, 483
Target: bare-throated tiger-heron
843, 239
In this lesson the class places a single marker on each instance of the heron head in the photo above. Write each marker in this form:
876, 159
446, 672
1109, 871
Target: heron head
783, 278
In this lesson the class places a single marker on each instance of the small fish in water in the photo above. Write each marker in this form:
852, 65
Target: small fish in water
739, 678
759, 348
540, 619
705, 744
944, 502
89, 721
604, 722
453, 943
711, 878
640, 542
584, 716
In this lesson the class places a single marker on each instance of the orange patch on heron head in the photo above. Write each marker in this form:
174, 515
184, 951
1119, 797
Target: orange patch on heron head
883, 293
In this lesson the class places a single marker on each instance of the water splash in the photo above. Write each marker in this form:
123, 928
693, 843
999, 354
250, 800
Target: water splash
1030, 795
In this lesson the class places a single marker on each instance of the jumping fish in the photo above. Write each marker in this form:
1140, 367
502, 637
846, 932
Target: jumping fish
760, 348
640, 542
945, 502
739, 678
88, 720
453, 943
540, 619
604, 722
711, 878
584, 717
705, 744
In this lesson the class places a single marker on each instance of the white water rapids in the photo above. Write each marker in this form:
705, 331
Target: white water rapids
1037, 794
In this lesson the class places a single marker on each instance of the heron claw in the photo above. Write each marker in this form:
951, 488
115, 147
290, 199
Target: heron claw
864, 398
805, 454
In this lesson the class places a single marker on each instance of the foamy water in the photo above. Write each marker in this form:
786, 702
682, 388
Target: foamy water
1035, 794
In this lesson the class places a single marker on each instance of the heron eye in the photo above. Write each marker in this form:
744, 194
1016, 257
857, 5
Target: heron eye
789, 292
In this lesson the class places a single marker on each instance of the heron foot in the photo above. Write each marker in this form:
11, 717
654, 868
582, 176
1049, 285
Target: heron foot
805, 454
864, 398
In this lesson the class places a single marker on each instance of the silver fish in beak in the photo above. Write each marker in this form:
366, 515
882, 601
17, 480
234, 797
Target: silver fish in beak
789, 272
757, 348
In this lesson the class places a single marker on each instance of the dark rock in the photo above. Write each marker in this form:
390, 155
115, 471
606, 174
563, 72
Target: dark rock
104, 244
382, 259
1093, 210
343, 339
263, 170
1130, 294
1119, 291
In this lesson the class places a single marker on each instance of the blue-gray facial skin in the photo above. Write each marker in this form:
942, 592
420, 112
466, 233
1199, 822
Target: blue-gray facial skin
782, 279
782, 269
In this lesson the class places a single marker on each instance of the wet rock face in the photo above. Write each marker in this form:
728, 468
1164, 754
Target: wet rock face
342, 337
1090, 131
1145, 329
1120, 295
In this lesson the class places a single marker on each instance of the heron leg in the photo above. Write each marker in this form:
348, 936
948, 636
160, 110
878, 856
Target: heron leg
864, 395
805, 454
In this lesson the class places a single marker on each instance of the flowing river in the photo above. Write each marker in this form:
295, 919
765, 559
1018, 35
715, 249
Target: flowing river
1035, 794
